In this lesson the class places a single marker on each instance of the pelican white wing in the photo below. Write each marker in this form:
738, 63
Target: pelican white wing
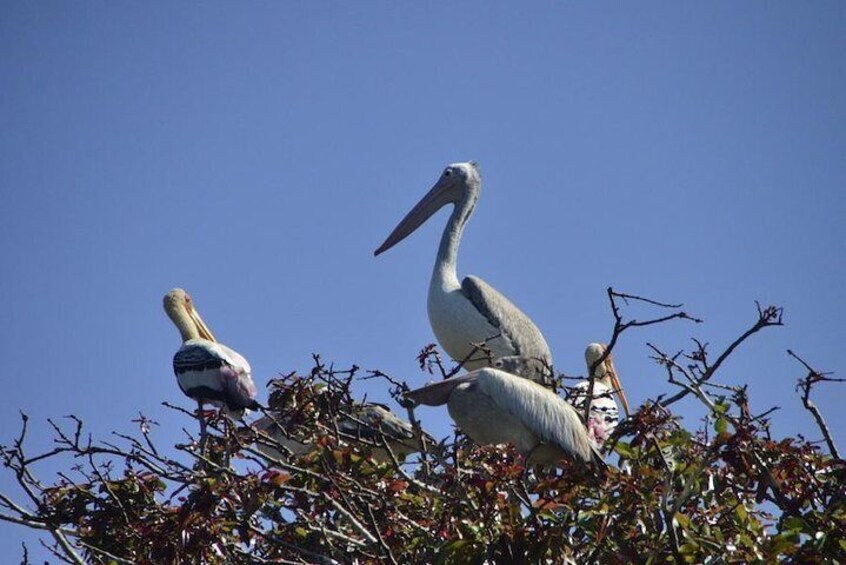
492, 406
548, 415
523, 336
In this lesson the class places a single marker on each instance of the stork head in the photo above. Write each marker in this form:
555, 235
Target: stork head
180, 309
458, 183
605, 371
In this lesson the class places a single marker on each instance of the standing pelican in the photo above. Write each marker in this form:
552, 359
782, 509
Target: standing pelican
604, 414
207, 371
493, 406
472, 311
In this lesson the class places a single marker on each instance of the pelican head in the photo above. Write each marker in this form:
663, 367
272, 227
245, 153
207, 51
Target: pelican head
460, 182
605, 372
180, 309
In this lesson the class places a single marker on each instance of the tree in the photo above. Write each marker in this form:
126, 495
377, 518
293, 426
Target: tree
726, 492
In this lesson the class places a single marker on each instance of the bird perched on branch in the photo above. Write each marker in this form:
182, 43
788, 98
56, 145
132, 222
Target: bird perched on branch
604, 413
470, 312
493, 406
207, 371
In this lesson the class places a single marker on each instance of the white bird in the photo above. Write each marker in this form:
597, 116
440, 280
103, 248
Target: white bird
471, 311
368, 423
493, 406
207, 371
604, 413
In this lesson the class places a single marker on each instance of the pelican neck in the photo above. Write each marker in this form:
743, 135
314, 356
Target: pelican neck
446, 264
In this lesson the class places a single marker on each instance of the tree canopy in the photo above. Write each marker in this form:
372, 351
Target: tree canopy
727, 491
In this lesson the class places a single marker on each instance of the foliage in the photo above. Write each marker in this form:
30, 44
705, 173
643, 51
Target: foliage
727, 492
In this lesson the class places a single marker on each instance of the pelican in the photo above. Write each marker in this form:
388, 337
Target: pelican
604, 413
207, 371
368, 422
493, 406
470, 312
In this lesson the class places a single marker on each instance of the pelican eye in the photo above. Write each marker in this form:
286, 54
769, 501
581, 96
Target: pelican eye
447, 172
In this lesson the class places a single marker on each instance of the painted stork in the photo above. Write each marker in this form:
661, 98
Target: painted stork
368, 423
469, 312
207, 371
493, 406
604, 413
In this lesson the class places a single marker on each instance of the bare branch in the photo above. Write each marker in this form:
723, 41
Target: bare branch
620, 326
806, 385
767, 317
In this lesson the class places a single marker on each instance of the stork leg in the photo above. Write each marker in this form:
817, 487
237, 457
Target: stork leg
203, 432
228, 425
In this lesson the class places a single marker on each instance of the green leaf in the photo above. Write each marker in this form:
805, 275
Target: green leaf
792, 523
721, 407
625, 449
689, 551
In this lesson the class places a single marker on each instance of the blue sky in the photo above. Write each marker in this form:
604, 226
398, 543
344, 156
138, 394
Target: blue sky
257, 154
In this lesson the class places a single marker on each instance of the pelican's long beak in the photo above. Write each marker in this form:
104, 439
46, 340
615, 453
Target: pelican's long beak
437, 393
615, 382
204, 330
435, 199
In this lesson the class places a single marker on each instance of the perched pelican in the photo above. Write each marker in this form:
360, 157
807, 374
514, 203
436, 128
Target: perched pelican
207, 371
604, 414
493, 406
469, 312
368, 423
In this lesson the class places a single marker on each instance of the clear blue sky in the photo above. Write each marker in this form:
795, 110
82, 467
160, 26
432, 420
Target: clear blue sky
256, 155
